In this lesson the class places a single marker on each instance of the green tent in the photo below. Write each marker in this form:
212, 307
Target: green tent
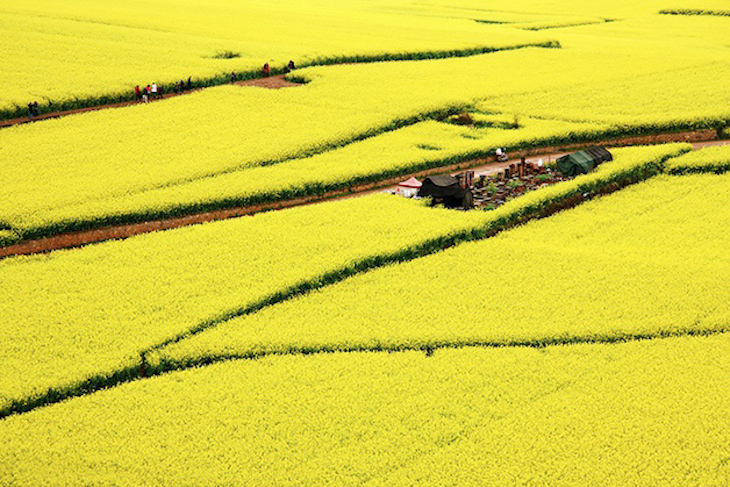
582, 162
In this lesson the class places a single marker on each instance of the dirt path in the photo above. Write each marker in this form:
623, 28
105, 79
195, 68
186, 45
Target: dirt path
482, 166
272, 82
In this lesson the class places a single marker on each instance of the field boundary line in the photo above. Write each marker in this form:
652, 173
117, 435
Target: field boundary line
572, 198
85, 232
18, 115
145, 371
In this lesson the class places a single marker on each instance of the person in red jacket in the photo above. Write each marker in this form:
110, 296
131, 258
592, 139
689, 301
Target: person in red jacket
138, 93
266, 70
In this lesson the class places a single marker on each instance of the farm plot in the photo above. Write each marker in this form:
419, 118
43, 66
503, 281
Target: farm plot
79, 315
640, 413
709, 159
396, 152
74, 54
77, 320
97, 158
647, 261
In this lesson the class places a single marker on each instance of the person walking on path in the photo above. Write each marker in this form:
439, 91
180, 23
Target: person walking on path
36, 110
154, 91
137, 93
30, 111
145, 95
233, 77
290, 67
181, 87
190, 83
266, 70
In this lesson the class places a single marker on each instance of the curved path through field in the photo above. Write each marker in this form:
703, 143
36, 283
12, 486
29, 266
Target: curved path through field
482, 166
271, 82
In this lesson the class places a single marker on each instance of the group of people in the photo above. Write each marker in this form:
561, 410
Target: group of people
266, 70
33, 110
153, 91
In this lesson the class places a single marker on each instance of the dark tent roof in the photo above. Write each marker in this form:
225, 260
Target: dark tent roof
447, 190
440, 186
582, 162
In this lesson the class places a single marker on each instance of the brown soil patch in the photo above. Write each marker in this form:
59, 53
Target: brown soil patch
272, 82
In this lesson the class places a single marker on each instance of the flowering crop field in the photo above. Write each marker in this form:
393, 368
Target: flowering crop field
73, 51
709, 159
76, 319
641, 72
642, 413
612, 268
73, 315
407, 149
579, 334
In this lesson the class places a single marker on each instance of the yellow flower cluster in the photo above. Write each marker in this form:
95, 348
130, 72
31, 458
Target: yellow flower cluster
95, 158
77, 315
644, 413
710, 159
73, 50
423, 145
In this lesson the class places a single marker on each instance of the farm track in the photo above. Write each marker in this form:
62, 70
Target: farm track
278, 81
143, 369
272, 82
481, 166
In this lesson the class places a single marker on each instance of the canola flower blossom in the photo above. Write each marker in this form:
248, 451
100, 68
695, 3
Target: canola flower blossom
102, 51
70, 316
710, 159
102, 166
644, 413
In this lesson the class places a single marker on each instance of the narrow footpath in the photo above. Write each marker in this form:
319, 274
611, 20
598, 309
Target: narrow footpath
482, 166
272, 82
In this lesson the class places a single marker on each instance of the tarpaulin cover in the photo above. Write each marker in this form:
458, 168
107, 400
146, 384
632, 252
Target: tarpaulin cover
582, 162
411, 183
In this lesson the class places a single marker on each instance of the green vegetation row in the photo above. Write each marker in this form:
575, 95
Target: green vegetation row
53, 106
688, 11
631, 165
323, 187
642, 413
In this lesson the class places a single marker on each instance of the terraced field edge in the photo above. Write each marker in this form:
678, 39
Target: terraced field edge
55, 106
575, 194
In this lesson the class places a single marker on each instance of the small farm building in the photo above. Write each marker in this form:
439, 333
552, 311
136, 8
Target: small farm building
582, 162
409, 188
446, 190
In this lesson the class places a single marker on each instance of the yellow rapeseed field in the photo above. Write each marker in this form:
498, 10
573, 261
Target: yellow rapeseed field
71, 315
647, 261
98, 157
76, 50
372, 341
77, 315
710, 159
423, 145
647, 413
